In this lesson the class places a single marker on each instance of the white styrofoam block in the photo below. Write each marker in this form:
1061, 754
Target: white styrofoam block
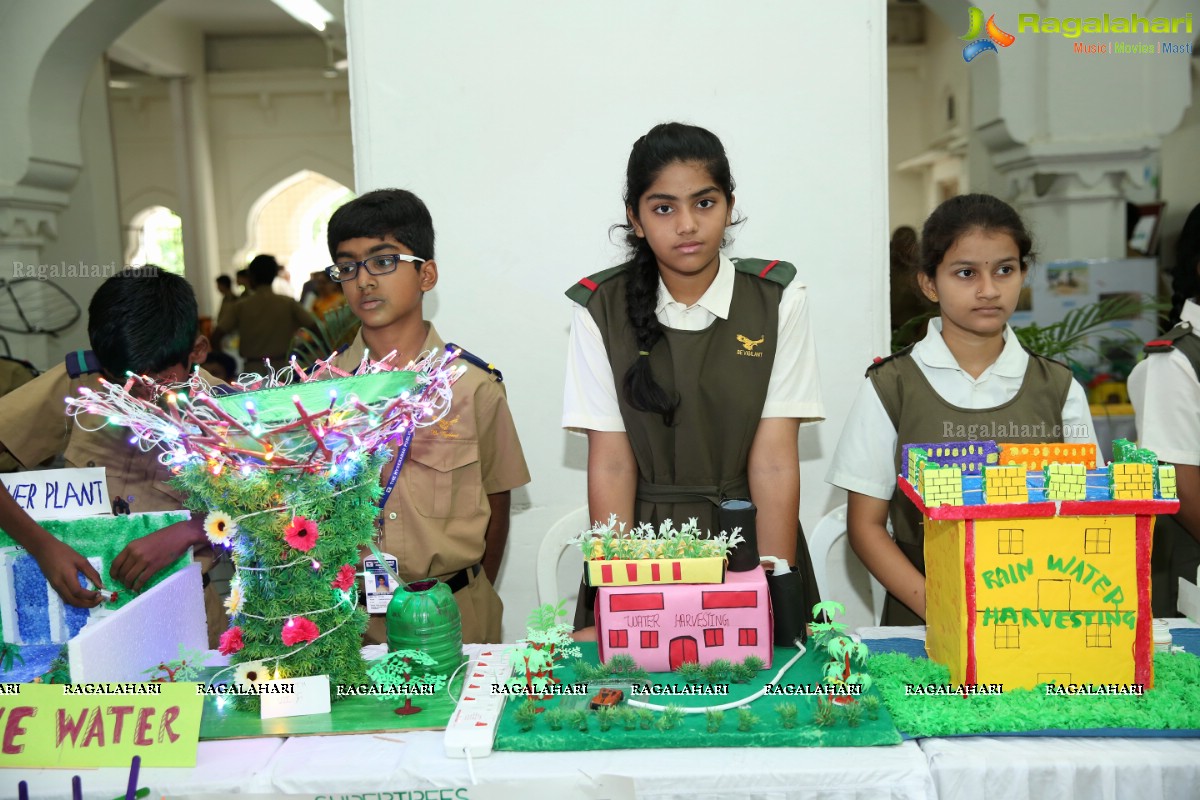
146, 632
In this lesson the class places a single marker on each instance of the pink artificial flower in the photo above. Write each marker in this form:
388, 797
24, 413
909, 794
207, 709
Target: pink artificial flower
345, 578
301, 534
231, 641
299, 629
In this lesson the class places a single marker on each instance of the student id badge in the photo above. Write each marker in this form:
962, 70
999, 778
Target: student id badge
380, 585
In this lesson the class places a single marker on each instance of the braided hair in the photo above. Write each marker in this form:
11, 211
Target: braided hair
665, 144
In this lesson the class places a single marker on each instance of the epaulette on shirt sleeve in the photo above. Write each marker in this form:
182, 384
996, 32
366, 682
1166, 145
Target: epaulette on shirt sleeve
581, 292
82, 362
471, 358
879, 361
781, 272
1166, 342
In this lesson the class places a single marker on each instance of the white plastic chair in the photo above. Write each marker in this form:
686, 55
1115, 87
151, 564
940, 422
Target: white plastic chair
829, 532
554, 543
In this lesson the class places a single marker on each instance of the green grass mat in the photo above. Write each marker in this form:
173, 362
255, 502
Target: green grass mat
347, 715
691, 731
1173, 703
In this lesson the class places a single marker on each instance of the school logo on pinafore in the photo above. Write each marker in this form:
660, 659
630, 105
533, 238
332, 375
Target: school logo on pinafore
749, 344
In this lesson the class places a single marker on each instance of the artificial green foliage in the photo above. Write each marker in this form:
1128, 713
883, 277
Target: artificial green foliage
853, 712
740, 673
713, 720
825, 714
620, 666
526, 715
717, 672
628, 717
8, 654
401, 669
605, 717
279, 582
670, 718
181, 670
546, 644
690, 671
754, 663
554, 719
1172, 704
746, 719
578, 719
645, 719
788, 712
60, 668
870, 704
823, 632
611, 541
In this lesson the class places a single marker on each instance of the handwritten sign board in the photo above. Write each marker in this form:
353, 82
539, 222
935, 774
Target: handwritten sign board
99, 725
59, 493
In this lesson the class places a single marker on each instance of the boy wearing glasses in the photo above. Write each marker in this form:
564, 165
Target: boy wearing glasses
447, 515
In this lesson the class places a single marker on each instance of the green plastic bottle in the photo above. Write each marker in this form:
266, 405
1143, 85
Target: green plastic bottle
423, 616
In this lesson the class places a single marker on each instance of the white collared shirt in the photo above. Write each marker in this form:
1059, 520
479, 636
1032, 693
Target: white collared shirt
794, 389
1168, 418
864, 461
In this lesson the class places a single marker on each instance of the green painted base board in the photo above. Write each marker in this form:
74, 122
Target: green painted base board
347, 715
1173, 703
691, 731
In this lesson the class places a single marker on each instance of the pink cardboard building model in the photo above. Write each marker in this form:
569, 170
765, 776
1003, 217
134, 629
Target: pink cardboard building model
662, 626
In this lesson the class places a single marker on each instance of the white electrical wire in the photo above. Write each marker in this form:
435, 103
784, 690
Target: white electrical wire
735, 703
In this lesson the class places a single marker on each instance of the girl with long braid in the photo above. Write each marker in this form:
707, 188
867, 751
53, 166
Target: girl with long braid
691, 372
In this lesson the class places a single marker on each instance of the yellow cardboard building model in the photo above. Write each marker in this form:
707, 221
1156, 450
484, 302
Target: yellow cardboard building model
1043, 579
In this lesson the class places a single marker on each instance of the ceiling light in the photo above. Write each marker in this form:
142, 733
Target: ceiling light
310, 12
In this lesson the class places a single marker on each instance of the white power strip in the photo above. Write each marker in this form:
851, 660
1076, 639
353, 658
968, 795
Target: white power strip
471, 731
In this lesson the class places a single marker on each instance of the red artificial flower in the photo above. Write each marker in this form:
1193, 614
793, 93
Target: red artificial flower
345, 578
231, 641
301, 534
299, 629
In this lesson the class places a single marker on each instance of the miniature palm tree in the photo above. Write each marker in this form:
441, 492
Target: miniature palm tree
8, 654
546, 644
844, 652
396, 671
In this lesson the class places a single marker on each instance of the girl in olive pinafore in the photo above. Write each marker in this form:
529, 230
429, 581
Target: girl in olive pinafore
690, 372
968, 379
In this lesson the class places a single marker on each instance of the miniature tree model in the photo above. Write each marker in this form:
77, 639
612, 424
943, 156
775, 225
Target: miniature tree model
843, 651
289, 473
185, 668
395, 671
546, 644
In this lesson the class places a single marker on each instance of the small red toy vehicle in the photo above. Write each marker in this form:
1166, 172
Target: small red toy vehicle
606, 698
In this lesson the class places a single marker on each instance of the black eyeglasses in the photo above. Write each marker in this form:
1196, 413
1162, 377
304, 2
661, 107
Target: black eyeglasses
375, 265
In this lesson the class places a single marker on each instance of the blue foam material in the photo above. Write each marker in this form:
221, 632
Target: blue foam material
33, 604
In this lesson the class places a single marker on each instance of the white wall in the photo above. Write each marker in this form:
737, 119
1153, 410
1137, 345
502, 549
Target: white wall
514, 121
88, 228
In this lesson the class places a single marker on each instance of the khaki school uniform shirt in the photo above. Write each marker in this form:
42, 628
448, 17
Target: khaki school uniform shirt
265, 323
437, 515
34, 427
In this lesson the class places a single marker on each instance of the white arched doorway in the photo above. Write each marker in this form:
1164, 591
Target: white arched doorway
289, 221
155, 236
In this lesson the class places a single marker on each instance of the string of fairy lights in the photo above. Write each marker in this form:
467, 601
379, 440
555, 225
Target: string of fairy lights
321, 421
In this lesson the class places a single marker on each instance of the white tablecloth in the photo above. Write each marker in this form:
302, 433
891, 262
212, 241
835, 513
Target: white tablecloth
1026, 768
